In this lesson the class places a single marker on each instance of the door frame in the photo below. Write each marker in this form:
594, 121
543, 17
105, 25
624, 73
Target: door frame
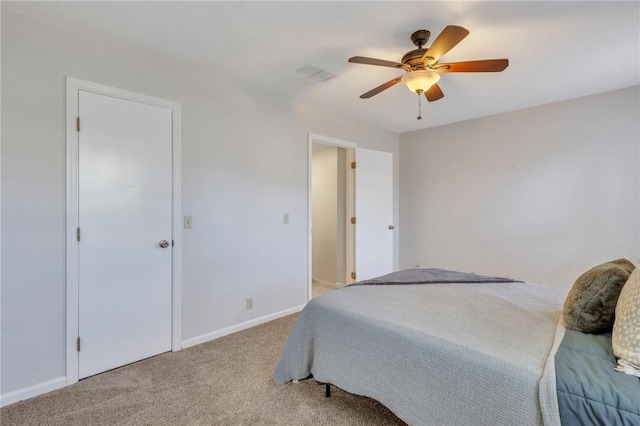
73, 85
350, 250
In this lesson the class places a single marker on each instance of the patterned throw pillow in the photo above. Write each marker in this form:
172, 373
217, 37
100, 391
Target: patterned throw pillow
625, 338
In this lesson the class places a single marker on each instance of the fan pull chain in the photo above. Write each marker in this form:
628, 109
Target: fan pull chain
419, 106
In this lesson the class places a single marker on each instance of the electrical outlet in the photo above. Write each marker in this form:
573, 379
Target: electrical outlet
188, 222
285, 218
249, 303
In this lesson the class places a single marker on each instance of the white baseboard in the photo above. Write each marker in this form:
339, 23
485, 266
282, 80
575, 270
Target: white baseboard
238, 327
31, 391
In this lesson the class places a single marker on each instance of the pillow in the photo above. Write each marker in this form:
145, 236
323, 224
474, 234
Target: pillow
591, 303
625, 338
626, 264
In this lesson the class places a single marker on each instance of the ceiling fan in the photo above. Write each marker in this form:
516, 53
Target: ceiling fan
422, 65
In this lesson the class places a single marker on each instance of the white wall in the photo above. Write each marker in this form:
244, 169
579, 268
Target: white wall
244, 164
324, 201
540, 194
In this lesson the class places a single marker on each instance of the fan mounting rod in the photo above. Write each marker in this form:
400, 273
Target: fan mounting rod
420, 38
414, 58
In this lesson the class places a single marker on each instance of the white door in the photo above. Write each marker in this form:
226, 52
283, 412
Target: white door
124, 194
374, 213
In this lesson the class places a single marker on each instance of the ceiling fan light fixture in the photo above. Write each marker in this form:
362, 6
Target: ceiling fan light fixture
420, 81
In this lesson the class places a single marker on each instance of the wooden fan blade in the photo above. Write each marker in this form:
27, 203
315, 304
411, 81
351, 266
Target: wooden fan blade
379, 62
380, 88
487, 65
445, 41
434, 93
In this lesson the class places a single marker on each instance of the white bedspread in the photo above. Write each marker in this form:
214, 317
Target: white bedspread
450, 354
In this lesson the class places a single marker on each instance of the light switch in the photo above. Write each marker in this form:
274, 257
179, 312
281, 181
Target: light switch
285, 218
188, 222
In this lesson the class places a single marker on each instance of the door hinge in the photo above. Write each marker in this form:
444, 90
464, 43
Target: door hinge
353, 275
353, 164
353, 221
78, 123
78, 234
78, 343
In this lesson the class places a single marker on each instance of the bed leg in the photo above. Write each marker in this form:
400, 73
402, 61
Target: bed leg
327, 390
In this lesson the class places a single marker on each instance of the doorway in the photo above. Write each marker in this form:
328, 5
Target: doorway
367, 217
123, 233
329, 216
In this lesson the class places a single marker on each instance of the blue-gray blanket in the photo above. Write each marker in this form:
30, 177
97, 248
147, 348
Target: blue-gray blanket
432, 276
590, 391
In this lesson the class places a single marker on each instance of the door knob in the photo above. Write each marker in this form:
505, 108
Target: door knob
391, 227
164, 243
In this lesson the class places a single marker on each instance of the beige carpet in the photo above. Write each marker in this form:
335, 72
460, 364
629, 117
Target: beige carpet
319, 289
224, 382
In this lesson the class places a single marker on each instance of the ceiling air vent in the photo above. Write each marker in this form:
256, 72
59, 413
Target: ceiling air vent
315, 73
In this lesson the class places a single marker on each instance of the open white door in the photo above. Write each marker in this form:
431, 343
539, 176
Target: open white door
374, 213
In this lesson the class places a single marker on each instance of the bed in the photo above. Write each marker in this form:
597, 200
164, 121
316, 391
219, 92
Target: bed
458, 349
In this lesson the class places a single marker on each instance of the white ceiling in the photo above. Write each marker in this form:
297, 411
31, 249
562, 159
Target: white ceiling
557, 50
